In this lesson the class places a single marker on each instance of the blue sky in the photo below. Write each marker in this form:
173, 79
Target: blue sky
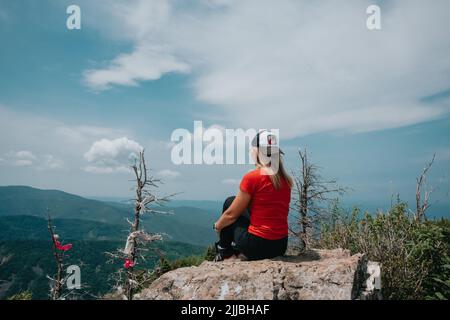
371, 107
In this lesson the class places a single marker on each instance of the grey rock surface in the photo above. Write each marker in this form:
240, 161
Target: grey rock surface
318, 275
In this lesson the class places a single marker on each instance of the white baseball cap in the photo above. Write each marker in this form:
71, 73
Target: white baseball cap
268, 141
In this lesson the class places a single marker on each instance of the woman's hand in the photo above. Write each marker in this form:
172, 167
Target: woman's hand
240, 203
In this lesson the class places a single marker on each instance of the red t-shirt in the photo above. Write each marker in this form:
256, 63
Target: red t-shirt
269, 207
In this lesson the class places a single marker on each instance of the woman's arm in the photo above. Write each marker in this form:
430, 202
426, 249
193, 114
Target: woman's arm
240, 203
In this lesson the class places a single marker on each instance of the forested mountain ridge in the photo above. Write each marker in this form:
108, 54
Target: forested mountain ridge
186, 224
93, 228
25, 264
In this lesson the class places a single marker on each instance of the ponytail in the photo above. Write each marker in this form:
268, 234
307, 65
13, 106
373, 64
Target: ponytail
279, 176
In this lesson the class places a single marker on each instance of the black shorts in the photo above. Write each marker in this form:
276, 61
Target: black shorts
256, 248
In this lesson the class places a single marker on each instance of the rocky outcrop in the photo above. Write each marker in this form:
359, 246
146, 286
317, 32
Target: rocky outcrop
320, 274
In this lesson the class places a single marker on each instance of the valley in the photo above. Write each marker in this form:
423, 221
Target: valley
94, 228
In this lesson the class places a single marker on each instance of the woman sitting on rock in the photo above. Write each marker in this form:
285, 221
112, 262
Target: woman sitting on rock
255, 222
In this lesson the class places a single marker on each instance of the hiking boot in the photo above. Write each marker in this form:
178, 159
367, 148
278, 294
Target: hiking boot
223, 253
236, 251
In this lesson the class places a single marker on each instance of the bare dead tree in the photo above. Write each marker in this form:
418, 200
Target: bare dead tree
57, 282
138, 238
311, 194
422, 204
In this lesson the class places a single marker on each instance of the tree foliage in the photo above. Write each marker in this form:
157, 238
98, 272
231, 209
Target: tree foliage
25, 295
414, 255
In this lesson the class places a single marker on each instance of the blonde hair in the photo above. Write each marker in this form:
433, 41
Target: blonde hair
278, 176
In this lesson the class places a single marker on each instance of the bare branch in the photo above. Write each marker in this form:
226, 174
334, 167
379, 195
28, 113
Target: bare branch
311, 192
55, 284
422, 206
130, 279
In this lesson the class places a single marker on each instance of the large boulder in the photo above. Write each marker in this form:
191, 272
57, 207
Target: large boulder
320, 274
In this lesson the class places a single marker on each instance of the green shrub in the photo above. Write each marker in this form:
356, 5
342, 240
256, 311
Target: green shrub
414, 256
186, 262
25, 295
210, 253
165, 265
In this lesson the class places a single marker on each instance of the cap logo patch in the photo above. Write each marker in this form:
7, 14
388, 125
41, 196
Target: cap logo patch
271, 140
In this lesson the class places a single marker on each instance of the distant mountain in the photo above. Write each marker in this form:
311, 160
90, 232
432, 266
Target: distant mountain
101, 220
22, 200
207, 205
214, 206
35, 228
93, 227
437, 209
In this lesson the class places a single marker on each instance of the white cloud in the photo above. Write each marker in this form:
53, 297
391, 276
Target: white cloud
51, 162
168, 174
22, 158
299, 66
24, 154
129, 69
45, 143
230, 181
45, 135
27, 158
109, 156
